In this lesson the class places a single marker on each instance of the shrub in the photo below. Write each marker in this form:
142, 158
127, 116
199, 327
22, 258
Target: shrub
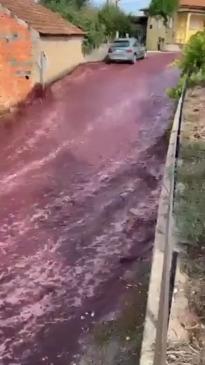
191, 64
193, 58
175, 92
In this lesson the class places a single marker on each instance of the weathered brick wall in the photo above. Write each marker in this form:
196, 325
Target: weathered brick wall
15, 60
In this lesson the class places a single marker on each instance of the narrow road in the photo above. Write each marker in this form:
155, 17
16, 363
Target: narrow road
80, 175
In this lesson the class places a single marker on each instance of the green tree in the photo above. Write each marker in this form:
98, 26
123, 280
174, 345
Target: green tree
63, 5
95, 31
163, 8
115, 20
98, 24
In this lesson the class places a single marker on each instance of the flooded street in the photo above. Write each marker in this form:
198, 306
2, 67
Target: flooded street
80, 178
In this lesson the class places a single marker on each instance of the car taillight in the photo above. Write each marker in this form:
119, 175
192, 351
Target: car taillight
110, 50
129, 51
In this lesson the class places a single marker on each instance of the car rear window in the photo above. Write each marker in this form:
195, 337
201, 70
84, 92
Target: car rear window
121, 44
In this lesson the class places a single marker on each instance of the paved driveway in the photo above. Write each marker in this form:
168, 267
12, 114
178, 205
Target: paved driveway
80, 175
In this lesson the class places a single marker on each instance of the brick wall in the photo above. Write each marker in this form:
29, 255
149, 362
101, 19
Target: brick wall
15, 60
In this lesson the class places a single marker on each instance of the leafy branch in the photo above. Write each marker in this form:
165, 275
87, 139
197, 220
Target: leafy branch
163, 8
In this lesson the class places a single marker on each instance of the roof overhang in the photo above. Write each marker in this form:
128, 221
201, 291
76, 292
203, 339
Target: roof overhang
193, 9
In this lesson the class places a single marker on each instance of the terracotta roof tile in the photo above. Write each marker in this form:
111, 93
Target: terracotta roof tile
40, 18
193, 3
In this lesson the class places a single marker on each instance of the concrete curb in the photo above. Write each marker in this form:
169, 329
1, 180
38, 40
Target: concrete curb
157, 316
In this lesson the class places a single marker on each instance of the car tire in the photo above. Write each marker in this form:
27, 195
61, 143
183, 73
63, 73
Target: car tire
134, 59
108, 61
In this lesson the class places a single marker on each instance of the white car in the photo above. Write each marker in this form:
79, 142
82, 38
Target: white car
127, 50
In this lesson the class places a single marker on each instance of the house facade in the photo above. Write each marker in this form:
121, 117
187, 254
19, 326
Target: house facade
158, 35
189, 19
36, 46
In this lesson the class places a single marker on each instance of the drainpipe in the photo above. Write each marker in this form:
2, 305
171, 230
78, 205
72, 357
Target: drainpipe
187, 27
42, 68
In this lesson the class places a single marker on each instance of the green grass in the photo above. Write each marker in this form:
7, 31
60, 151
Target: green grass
190, 206
190, 221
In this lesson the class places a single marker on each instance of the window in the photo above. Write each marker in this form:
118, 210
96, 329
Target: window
121, 44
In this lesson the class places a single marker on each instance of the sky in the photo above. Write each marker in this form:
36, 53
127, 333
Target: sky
133, 6
130, 6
